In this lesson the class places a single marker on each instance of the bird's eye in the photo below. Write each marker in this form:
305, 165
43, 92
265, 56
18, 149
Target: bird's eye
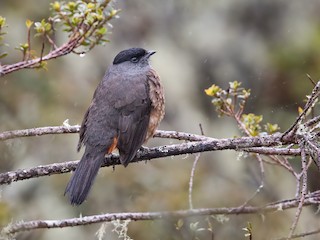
134, 59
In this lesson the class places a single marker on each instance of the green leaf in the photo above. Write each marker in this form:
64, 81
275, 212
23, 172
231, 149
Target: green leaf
24, 46
2, 55
2, 22
213, 90
179, 224
234, 85
29, 23
43, 65
56, 6
101, 31
194, 226
113, 12
72, 6
271, 128
42, 27
91, 6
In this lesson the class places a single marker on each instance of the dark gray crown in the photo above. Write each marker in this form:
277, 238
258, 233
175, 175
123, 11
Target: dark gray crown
128, 54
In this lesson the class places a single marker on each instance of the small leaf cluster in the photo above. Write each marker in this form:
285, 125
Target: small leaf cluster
87, 18
232, 101
42, 28
248, 230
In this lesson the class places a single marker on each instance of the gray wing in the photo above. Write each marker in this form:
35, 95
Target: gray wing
133, 127
82, 130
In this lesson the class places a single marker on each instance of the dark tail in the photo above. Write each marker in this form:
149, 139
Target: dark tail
84, 175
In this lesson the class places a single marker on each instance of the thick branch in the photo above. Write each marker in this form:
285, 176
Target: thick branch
147, 154
159, 133
311, 199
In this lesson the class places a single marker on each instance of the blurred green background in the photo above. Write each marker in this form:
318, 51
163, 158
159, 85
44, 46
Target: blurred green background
270, 46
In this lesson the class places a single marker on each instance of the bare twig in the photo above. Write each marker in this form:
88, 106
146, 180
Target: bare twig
42, 50
301, 235
261, 181
303, 190
310, 103
312, 121
197, 157
311, 80
201, 129
28, 54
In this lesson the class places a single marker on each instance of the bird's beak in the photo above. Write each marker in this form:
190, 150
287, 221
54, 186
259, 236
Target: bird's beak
151, 52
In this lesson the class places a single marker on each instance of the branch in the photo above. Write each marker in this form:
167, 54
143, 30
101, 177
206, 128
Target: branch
75, 129
149, 153
38, 132
273, 151
311, 199
312, 99
61, 51
159, 133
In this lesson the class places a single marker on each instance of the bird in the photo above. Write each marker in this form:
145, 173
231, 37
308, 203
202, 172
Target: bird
125, 111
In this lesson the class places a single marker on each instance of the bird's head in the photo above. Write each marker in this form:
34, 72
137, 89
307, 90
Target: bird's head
133, 56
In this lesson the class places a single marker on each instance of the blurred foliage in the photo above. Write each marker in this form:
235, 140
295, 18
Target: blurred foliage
78, 18
93, 15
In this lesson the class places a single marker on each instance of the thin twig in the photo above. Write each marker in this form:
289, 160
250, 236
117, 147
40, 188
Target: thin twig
311, 80
303, 189
191, 179
313, 121
28, 53
42, 50
201, 129
261, 186
283, 162
301, 235
310, 103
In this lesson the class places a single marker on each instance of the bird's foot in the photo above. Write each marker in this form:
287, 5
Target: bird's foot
143, 149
